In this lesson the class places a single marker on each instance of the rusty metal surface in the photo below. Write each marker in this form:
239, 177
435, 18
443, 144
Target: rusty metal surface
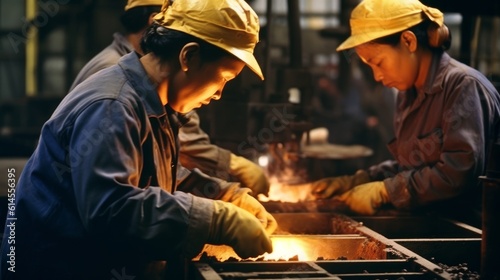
334, 151
326, 270
306, 223
259, 270
335, 223
313, 206
356, 250
417, 227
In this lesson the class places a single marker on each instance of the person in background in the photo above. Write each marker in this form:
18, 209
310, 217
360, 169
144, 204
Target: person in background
99, 196
196, 150
447, 115
340, 112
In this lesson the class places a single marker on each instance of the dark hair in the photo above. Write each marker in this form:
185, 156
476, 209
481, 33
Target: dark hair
167, 43
137, 18
420, 31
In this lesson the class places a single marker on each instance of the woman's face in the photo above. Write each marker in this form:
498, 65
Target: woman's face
201, 83
393, 66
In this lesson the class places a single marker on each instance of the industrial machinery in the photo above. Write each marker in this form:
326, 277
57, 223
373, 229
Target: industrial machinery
315, 239
334, 246
270, 119
321, 239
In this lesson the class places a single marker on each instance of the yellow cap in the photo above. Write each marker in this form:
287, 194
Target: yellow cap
373, 19
228, 24
136, 3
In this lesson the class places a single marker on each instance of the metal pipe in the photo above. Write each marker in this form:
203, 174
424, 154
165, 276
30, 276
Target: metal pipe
474, 60
267, 51
294, 34
31, 50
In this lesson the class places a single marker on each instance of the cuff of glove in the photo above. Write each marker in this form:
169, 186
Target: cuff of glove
361, 177
200, 218
233, 192
237, 164
383, 193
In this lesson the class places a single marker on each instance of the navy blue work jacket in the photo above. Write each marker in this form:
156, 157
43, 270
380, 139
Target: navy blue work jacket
97, 198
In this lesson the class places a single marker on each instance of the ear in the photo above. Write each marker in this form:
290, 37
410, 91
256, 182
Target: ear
151, 18
189, 56
409, 40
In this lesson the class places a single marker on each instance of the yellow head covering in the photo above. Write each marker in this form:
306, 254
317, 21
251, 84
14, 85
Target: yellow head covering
136, 3
229, 24
373, 19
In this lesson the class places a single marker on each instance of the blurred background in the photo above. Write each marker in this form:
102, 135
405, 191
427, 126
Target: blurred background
311, 94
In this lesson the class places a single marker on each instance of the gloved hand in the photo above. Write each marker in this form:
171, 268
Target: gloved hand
328, 187
241, 197
237, 228
365, 199
249, 174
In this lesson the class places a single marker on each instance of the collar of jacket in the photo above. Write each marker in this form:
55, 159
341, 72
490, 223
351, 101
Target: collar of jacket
122, 45
436, 73
184, 118
433, 83
175, 118
144, 87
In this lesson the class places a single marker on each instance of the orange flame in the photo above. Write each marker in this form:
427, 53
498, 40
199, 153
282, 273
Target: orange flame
287, 193
286, 248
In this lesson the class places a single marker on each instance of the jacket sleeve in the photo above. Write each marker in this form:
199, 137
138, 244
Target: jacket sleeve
200, 184
198, 152
105, 146
462, 151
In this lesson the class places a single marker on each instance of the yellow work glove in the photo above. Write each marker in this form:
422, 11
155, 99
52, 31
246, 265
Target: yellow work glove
365, 199
328, 187
249, 174
237, 228
241, 197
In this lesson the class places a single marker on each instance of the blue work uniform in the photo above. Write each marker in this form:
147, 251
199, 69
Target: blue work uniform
98, 196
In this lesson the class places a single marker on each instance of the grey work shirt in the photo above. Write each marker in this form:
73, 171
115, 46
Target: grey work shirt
441, 139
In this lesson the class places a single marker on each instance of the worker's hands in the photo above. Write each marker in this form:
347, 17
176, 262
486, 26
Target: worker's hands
249, 174
365, 199
328, 187
241, 197
203, 185
239, 229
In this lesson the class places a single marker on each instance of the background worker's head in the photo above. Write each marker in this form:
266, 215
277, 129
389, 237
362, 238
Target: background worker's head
205, 43
392, 37
138, 14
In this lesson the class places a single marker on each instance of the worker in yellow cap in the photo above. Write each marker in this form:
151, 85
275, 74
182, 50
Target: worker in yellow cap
99, 197
196, 151
447, 116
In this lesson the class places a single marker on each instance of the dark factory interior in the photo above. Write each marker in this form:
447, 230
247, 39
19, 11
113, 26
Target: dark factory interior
319, 113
